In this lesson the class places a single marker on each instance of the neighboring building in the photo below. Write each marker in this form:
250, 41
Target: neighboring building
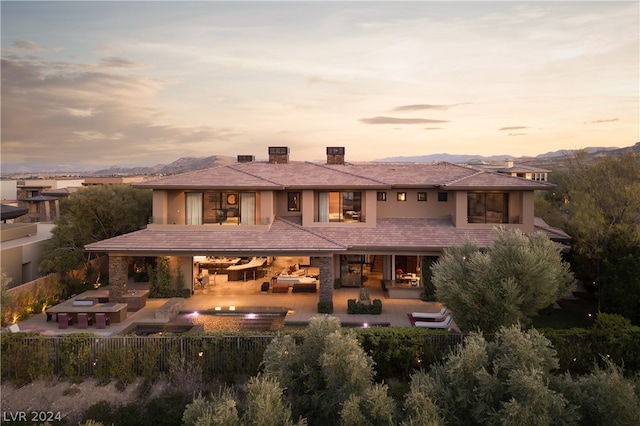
42, 197
526, 172
111, 180
347, 218
21, 252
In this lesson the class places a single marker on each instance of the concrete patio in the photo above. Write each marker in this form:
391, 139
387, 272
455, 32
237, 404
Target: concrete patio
221, 293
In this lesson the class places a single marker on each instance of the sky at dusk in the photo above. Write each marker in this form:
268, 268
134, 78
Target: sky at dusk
141, 83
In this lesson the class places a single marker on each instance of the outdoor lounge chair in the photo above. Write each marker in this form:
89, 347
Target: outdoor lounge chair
431, 315
436, 324
84, 320
102, 320
64, 320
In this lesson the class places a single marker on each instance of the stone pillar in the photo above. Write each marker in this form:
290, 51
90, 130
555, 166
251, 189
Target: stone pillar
117, 278
326, 279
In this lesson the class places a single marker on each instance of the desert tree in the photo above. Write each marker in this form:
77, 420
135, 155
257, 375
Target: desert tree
93, 214
328, 368
603, 397
506, 283
604, 220
502, 381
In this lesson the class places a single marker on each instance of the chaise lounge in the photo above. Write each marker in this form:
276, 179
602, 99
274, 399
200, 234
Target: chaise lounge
436, 324
431, 315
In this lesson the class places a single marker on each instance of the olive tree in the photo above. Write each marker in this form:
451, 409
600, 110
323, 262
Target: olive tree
507, 283
503, 381
328, 376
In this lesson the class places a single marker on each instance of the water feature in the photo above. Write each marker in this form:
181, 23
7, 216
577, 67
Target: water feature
235, 318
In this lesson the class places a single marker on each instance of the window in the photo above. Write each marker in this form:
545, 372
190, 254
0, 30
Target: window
194, 208
422, 196
339, 206
221, 207
293, 203
443, 196
382, 196
487, 207
402, 196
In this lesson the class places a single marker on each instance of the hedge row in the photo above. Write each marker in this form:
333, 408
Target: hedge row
397, 352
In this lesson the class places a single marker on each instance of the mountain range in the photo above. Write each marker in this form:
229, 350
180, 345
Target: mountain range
184, 164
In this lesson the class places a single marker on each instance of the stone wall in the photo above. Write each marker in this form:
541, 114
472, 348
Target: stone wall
117, 278
326, 279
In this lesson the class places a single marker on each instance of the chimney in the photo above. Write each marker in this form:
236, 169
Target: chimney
509, 164
278, 154
246, 158
335, 155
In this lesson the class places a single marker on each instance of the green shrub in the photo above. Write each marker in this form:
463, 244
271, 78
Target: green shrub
325, 307
397, 351
375, 308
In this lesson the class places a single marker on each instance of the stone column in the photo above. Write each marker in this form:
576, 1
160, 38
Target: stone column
326, 279
117, 278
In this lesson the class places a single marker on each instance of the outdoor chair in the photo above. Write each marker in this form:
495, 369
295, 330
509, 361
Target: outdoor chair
49, 314
64, 320
431, 315
84, 320
436, 324
102, 320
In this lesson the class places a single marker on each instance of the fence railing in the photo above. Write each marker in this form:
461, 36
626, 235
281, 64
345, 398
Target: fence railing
28, 357
79, 356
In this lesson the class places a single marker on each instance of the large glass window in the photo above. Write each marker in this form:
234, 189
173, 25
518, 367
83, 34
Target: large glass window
339, 206
221, 207
487, 207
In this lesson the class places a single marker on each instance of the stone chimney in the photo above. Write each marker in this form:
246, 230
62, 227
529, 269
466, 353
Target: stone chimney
246, 158
278, 154
335, 155
509, 163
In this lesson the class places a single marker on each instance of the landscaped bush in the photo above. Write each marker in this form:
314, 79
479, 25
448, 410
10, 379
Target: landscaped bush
397, 351
375, 308
163, 283
325, 307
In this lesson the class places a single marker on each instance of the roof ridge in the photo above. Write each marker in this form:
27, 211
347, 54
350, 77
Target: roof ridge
324, 166
477, 172
234, 167
308, 230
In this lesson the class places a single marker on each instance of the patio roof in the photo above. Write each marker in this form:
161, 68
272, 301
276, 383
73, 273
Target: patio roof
282, 237
285, 237
11, 212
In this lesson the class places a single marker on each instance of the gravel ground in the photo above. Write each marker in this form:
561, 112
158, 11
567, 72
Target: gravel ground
68, 399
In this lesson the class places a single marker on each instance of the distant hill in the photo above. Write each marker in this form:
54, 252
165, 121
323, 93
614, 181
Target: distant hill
452, 158
550, 160
181, 165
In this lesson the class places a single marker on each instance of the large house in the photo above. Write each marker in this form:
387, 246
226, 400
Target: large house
346, 218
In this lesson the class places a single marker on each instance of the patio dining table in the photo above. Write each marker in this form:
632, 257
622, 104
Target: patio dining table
117, 312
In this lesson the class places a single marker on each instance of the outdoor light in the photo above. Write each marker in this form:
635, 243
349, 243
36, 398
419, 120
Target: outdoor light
251, 316
218, 308
232, 308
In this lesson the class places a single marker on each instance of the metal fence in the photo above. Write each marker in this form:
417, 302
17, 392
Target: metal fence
80, 356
